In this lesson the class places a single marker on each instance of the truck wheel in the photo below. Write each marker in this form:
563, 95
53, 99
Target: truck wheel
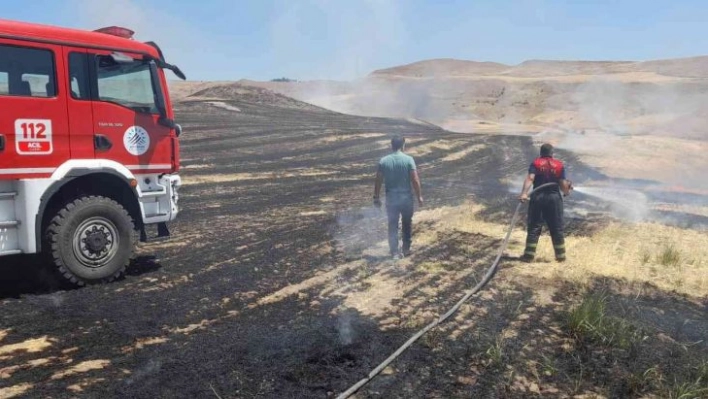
91, 240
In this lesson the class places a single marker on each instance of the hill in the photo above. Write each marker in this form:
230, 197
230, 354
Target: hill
631, 120
248, 94
693, 67
659, 98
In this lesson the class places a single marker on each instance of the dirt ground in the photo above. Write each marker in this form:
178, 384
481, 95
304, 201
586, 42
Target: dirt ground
276, 285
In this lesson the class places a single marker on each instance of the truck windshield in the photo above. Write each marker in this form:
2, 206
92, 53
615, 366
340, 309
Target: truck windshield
127, 84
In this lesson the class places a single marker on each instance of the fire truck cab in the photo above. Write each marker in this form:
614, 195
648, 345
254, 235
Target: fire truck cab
89, 149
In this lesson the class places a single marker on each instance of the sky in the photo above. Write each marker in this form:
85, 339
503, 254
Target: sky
347, 39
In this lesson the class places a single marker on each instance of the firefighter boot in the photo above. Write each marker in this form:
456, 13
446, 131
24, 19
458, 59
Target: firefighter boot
529, 252
559, 248
560, 252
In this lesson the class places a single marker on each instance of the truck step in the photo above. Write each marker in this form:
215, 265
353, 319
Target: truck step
9, 223
156, 193
10, 252
155, 215
7, 195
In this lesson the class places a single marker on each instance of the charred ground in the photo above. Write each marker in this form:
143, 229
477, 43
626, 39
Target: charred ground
250, 297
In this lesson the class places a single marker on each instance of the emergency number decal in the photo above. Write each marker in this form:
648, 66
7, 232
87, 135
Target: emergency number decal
136, 140
33, 136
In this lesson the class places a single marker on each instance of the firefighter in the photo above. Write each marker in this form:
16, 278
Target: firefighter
546, 205
398, 172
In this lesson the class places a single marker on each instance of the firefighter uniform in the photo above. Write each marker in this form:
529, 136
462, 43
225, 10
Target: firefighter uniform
546, 205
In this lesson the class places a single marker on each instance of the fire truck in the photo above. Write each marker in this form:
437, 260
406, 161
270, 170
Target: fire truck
89, 148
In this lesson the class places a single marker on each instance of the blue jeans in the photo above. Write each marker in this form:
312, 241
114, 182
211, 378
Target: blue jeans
399, 207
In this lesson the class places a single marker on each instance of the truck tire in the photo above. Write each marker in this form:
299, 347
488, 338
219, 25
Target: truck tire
91, 240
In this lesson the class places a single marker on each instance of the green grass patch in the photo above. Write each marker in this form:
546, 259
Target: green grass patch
589, 322
669, 256
495, 353
688, 390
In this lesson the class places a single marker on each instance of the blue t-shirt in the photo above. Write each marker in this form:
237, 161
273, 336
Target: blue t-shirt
396, 170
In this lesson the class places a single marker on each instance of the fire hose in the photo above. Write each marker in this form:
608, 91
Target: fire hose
487, 277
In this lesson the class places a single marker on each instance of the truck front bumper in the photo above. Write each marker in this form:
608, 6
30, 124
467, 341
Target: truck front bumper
159, 197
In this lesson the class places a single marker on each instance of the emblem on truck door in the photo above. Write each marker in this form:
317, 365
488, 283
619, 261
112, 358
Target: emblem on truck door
136, 140
33, 136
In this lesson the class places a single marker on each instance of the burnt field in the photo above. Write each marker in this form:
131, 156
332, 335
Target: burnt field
264, 290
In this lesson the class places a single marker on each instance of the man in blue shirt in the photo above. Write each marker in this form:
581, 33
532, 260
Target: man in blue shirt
398, 172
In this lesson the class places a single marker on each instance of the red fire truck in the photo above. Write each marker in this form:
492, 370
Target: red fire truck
89, 149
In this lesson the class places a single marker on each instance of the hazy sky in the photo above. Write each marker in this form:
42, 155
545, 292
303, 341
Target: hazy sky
308, 39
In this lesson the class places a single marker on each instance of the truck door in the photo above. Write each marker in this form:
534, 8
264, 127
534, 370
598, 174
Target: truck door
33, 123
126, 112
81, 131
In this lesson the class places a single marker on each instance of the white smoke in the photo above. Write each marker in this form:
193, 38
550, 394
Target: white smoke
152, 367
626, 204
354, 231
344, 326
365, 36
626, 108
631, 126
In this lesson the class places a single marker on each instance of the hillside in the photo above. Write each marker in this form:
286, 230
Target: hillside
694, 67
244, 93
631, 120
659, 98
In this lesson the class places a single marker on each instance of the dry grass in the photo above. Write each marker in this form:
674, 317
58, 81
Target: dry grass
341, 137
457, 155
199, 166
672, 258
232, 177
419, 150
15, 390
83, 367
29, 346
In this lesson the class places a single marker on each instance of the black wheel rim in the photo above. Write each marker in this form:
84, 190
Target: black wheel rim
96, 242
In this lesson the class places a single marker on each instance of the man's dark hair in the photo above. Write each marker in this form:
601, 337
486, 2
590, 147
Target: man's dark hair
397, 142
546, 150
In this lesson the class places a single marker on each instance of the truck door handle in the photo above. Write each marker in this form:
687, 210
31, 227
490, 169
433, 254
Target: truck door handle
2, 142
101, 142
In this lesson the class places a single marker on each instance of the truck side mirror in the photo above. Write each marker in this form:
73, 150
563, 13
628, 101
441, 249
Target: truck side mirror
175, 69
166, 122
